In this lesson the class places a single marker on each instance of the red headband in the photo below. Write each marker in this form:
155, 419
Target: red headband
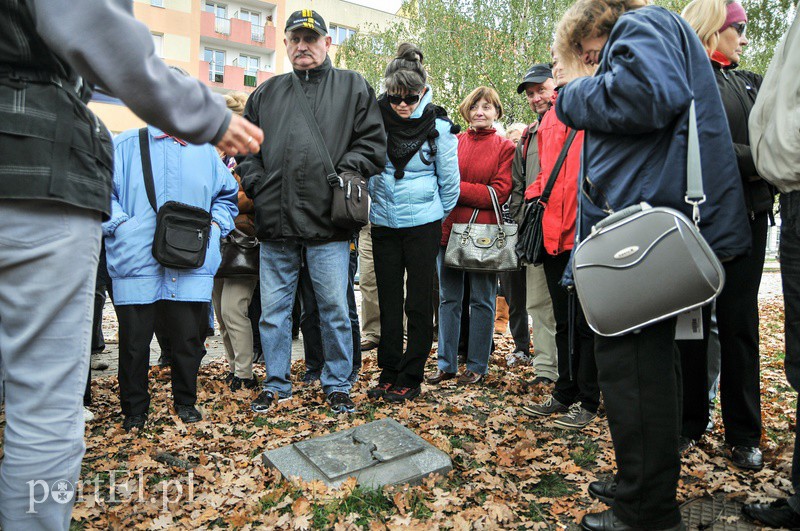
735, 14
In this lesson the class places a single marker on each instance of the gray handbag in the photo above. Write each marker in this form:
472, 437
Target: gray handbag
483, 247
644, 264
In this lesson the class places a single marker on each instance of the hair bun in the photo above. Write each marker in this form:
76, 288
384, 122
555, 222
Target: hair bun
409, 52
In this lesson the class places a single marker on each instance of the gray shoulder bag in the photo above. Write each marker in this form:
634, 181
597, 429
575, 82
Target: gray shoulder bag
645, 264
483, 247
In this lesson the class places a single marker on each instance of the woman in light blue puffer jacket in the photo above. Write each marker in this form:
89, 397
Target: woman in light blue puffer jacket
416, 191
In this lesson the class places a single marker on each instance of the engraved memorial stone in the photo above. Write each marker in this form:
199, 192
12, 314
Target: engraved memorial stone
382, 452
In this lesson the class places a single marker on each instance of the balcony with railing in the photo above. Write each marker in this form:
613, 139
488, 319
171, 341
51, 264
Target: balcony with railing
232, 77
237, 30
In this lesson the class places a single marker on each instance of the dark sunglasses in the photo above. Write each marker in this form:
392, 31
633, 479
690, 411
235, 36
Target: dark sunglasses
396, 99
740, 27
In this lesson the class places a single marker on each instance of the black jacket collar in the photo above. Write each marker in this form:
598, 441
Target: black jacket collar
315, 74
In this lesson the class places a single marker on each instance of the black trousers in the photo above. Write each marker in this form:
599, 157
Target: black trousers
101, 286
790, 278
740, 383
578, 382
639, 378
186, 325
413, 251
514, 287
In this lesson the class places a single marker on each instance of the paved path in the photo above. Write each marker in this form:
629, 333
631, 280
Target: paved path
770, 288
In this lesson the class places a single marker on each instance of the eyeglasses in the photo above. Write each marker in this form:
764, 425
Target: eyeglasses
396, 99
740, 27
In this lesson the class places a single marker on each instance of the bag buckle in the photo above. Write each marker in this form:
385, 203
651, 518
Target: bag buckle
695, 209
334, 176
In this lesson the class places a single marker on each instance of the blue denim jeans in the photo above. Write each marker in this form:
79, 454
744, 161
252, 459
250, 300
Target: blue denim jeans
48, 262
483, 294
310, 325
327, 266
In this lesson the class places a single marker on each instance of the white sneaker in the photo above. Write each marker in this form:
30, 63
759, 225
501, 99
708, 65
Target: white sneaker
88, 416
517, 358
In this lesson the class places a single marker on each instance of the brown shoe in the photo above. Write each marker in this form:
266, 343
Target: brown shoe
439, 376
469, 378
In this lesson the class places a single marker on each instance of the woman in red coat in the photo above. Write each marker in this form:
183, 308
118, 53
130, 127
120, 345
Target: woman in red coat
576, 394
484, 159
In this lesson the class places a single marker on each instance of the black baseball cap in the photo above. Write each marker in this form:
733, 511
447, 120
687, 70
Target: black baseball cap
306, 18
538, 73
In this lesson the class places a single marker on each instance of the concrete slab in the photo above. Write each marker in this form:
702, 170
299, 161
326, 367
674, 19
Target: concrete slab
383, 452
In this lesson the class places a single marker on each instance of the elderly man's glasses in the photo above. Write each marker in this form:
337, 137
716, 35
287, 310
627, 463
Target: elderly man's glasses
740, 27
396, 99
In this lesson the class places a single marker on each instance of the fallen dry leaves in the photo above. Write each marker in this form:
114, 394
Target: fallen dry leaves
511, 471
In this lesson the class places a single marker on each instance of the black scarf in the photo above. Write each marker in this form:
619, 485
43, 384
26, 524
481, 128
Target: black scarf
405, 136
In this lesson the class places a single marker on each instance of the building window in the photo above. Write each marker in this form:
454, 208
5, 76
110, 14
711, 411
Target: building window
158, 42
221, 22
216, 65
256, 27
219, 10
250, 65
253, 17
157, 3
340, 34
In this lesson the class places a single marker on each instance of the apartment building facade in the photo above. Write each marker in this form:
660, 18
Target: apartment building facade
231, 45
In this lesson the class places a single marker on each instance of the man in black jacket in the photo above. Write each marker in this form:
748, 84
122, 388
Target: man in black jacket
292, 197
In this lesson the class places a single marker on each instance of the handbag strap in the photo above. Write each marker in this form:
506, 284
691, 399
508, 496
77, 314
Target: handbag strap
695, 194
495, 207
333, 178
147, 167
551, 182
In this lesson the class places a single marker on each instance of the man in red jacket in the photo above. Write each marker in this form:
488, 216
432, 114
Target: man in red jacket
527, 289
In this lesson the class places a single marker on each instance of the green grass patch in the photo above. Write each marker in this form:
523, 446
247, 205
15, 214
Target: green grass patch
552, 486
586, 455
368, 411
369, 504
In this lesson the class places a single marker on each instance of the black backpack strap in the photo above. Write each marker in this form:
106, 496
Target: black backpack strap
316, 135
557, 168
147, 167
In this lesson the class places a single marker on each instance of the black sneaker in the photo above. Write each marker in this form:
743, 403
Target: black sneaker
250, 383
401, 394
265, 400
577, 417
341, 403
188, 413
550, 406
134, 421
229, 378
243, 383
379, 391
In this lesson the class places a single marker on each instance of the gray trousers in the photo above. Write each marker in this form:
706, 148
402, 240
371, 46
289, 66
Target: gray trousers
48, 262
540, 308
231, 298
368, 285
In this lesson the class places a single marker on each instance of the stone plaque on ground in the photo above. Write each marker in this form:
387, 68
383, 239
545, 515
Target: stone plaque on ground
383, 452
